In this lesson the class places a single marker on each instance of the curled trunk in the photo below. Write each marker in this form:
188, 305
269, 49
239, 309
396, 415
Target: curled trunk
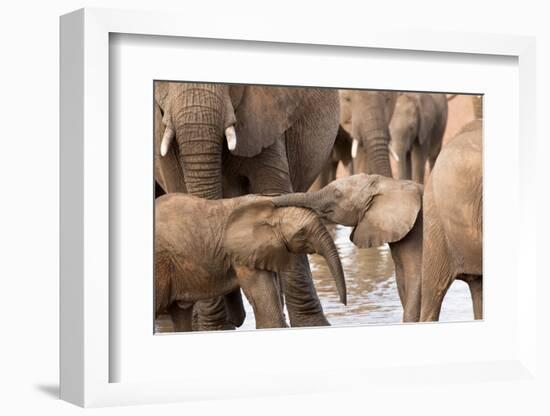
324, 245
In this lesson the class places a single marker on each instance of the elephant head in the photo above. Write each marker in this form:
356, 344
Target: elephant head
194, 121
263, 237
419, 119
366, 115
382, 210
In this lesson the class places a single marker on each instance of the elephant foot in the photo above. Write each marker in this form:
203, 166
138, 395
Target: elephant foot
303, 316
210, 315
308, 320
303, 304
181, 317
199, 325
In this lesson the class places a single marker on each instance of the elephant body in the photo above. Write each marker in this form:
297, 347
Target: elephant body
416, 128
231, 140
206, 249
453, 214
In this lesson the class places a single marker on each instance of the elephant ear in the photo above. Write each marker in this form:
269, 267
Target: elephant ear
253, 237
389, 218
427, 117
263, 114
161, 92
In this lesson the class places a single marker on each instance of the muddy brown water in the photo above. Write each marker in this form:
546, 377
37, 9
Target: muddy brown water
372, 290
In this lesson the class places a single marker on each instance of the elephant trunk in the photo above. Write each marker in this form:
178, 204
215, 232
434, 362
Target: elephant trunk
199, 133
377, 146
314, 200
371, 129
324, 245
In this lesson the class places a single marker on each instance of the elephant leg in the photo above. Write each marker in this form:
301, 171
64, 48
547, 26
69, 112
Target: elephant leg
407, 256
302, 302
234, 307
418, 162
399, 276
181, 316
437, 271
476, 290
210, 315
279, 285
260, 288
271, 176
436, 280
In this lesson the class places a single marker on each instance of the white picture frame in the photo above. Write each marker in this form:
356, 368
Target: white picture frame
86, 351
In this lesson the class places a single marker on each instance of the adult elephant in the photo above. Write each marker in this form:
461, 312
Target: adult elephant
217, 140
453, 222
416, 131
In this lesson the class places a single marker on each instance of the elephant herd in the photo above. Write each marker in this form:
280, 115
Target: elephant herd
233, 214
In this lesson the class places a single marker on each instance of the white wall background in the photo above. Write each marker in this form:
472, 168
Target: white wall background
29, 101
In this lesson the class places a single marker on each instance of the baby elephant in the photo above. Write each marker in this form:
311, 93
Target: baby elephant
206, 249
381, 210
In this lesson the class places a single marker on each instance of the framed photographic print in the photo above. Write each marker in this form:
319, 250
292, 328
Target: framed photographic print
285, 213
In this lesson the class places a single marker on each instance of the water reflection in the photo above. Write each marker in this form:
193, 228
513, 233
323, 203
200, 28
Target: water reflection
372, 290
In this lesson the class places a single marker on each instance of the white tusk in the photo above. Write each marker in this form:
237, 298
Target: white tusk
393, 154
231, 137
354, 146
169, 135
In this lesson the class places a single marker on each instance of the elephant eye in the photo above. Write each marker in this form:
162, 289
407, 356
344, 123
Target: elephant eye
338, 193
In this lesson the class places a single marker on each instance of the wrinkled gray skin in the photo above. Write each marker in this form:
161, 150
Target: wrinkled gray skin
206, 249
453, 223
416, 128
341, 152
382, 210
366, 115
284, 136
